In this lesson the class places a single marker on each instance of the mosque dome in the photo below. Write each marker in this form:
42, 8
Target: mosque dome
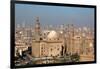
52, 35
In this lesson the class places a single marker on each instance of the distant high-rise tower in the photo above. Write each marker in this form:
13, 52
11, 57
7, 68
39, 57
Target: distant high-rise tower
37, 26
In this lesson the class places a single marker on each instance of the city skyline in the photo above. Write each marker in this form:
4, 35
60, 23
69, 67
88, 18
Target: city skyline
52, 34
52, 46
54, 15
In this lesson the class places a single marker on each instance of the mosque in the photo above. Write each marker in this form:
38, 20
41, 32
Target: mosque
47, 43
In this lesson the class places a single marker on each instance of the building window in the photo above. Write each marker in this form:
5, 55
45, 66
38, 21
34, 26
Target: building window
58, 49
57, 54
41, 47
40, 38
41, 53
51, 55
51, 49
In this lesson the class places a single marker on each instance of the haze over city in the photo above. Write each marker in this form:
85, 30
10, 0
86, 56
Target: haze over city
54, 15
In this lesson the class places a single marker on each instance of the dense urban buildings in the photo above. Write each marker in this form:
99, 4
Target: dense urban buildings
37, 44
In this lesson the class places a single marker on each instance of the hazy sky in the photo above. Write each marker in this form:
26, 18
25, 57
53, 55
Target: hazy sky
54, 15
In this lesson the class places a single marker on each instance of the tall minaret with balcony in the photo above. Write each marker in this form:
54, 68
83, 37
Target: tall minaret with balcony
36, 49
37, 26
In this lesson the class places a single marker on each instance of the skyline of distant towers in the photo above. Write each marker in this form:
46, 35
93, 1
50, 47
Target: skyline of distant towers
54, 41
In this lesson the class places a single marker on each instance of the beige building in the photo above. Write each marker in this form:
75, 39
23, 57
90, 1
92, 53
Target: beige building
46, 43
48, 47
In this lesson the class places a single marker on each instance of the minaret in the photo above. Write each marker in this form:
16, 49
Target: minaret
37, 26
